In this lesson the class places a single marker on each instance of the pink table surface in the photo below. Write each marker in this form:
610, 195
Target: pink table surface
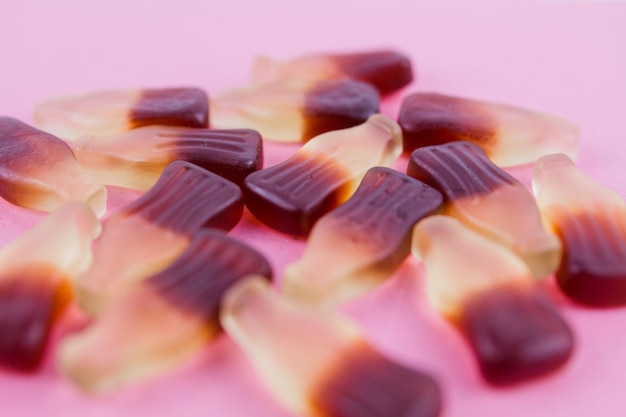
563, 58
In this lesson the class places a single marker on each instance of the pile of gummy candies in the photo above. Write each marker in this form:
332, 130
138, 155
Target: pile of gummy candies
166, 260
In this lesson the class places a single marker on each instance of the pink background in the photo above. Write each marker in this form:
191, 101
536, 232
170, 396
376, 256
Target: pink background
563, 58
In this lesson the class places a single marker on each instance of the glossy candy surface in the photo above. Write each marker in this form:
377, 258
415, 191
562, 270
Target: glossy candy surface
39, 171
136, 158
163, 320
489, 294
509, 135
489, 200
322, 174
295, 110
316, 363
590, 219
362, 242
386, 70
36, 271
110, 112
147, 235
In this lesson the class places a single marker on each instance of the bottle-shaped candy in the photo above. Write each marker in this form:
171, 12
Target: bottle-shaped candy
295, 110
386, 70
39, 171
163, 320
148, 234
36, 274
109, 112
317, 364
292, 195
509, 135
513, 328
136, 158
489, 200
590, 219
362, 242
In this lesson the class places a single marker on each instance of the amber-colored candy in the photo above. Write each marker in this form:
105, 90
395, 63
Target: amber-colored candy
317, 364
362, 242
590, 219
324, 173
508, 135
489, 200
295, 110
110, 112
489, 293
136, 158
147, 235
386, 70
163, 320
39, 171
36, 271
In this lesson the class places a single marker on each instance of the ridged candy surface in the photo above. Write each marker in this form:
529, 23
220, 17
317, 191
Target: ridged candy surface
489, 200
292, 195
590, 219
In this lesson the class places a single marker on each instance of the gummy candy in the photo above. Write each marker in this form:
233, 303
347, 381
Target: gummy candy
164, 319
362, 242
489, 200
147, 235
110, 112
590, 219
295, 110
36, 272
322, 174
508, 135
513, 328
318, 364
39, 171
386, 70
136, 158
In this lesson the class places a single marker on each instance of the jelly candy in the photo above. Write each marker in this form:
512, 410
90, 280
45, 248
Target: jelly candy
147, 235
36, 271
317, 364
590, 219
110, 112
386, 70
362, 242
136, 158
513, 328
508, 135
489, 200
322, 174
295, 110
164, 319
39, 171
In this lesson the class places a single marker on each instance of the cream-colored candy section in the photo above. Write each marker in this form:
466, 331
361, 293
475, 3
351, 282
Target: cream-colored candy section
62, 240
130, 249
355, 247
148, 149
98, 114
377, 142
315, 67
39, 171
557, 182
275, 109
332, 269
519, 229
461, 263
141, 336
524, 135
62, 181
291, 346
